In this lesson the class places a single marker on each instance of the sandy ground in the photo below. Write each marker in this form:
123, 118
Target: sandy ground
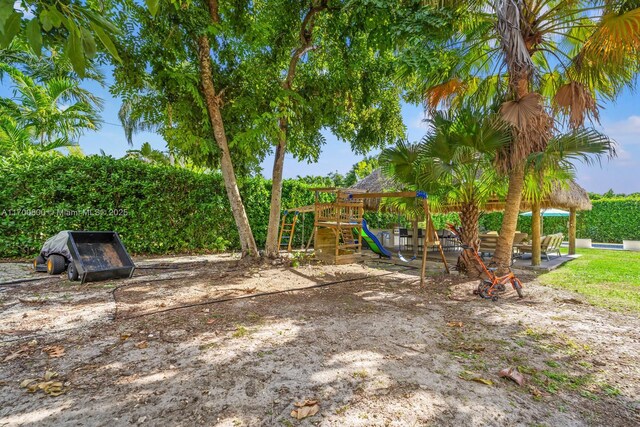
373, 350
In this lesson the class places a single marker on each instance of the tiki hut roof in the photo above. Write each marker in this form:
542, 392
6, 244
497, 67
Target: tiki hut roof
567, 196
375, 182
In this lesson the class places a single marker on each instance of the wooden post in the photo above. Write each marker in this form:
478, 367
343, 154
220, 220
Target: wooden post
284, 220
291, 233
414, 240
572, 231
423, 269
535, 233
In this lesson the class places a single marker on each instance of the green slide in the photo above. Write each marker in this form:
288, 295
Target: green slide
373, 242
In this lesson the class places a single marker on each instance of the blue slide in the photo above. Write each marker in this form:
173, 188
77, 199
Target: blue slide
373, 242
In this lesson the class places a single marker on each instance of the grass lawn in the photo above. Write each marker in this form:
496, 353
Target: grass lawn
607, 278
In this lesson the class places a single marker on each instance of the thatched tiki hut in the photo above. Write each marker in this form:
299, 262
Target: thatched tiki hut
567, 195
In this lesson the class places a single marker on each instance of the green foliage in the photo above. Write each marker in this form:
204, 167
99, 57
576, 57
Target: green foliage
610, 221
341, 82
49, 109
156, 208
59, 26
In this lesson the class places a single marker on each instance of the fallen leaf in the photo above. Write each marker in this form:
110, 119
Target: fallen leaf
210, 321
25, 383
124, 336
482, 380
52, 388
535, 391
142, 344
512, 374
54, 351
50, 374
470, 376
308, 408
305, 403
22, 351
455, 324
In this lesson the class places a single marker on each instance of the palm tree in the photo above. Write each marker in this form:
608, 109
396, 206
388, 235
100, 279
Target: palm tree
555, 166
53, 114
148, 154
454, 165
536, 58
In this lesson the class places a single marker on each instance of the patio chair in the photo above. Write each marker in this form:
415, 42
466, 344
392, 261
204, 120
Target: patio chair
548, 245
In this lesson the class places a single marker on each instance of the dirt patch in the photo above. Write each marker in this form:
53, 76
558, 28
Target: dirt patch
373, 349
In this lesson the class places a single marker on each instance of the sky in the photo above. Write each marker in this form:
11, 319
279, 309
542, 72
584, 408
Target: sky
619, 120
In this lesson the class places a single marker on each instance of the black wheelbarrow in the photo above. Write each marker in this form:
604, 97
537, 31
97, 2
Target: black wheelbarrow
88, 256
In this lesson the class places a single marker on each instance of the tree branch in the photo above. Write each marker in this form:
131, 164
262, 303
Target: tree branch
306, 40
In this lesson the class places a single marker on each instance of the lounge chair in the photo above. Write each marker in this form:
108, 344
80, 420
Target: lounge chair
548, 245
519, 238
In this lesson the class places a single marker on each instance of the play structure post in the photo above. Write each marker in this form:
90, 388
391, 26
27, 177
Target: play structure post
427, 215
536, 231
414, 238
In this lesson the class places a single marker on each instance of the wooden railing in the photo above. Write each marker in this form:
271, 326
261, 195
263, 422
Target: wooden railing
340, 212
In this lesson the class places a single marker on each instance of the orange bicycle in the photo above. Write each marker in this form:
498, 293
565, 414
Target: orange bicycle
493, 284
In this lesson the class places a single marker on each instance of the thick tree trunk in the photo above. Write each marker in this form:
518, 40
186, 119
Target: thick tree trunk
469, 217
536, 232
504, 249
247, 242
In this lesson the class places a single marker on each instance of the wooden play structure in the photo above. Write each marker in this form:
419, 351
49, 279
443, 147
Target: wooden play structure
334, 226
338, 225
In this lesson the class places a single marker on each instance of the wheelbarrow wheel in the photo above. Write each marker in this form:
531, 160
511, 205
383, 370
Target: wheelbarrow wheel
56, 264
72, 273
38, 261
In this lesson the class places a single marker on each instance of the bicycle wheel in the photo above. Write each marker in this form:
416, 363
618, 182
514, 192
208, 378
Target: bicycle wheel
517, 285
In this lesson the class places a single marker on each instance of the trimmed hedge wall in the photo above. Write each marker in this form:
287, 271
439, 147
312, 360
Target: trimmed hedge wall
159, 209
156, 209
611, 220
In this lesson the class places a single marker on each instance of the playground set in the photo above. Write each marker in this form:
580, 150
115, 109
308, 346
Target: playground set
339, 227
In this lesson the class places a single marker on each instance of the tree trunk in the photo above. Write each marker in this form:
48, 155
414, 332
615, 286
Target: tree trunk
572, 231
247, 242
504, 248
535, 233
272, 247
469, 217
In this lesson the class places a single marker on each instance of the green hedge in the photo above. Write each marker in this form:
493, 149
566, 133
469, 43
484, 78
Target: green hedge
156, 209
610, 221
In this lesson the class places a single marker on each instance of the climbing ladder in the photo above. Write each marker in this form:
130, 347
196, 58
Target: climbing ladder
287, 230
347, 236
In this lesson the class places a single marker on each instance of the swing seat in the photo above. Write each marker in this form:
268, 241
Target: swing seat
403, 259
